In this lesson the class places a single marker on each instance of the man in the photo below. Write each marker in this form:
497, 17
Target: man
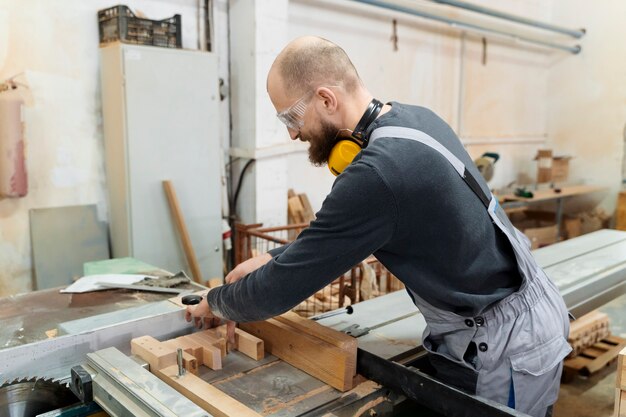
413, 198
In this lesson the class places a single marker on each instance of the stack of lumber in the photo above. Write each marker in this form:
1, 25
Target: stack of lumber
620, 390
594, 348
587, 331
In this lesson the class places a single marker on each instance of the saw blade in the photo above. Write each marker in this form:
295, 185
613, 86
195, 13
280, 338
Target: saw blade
30, 397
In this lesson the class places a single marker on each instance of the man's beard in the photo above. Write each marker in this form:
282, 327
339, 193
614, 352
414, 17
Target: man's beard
322, 143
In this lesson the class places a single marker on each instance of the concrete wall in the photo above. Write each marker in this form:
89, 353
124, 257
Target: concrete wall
55, 44
587, 96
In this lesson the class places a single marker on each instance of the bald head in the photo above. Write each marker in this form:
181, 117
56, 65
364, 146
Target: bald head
309, 62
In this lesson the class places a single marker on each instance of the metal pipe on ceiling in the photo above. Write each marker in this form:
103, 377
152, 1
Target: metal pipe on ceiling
574, 33
471, 26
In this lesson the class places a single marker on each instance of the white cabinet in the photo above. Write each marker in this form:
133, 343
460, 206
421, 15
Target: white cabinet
160, 109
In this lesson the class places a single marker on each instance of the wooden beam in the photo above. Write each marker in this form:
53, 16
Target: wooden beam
329, 363
154, 352
621, 370
620, 403
245, 343
190, 362
204, 395
205, 338
189, 346
335, 338
177, 214
209, 355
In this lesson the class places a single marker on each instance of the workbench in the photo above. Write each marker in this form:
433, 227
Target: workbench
589, 270
511, 202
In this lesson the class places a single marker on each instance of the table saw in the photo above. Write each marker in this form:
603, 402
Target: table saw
94, 336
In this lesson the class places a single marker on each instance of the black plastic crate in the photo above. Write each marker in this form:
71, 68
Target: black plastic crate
118, 23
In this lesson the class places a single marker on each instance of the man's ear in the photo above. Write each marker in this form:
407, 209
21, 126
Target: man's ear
329, 99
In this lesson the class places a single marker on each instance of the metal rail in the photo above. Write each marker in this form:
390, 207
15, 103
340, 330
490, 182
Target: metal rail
574, 33
428, 391
471, 26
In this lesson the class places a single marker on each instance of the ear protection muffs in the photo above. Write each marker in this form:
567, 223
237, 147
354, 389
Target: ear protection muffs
345, 150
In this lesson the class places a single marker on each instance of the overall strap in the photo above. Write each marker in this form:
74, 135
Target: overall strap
424, 138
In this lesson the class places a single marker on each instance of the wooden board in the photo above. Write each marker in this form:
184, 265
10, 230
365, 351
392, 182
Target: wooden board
190, 362
325, 361
153, 352
621, 370
620, 403
620, 390
205, 338
249, 345
179, 220
335, 338
204, 395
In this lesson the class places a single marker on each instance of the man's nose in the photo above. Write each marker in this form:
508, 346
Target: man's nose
293, 134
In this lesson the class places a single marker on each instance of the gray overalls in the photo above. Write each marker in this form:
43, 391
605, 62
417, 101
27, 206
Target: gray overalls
512, 352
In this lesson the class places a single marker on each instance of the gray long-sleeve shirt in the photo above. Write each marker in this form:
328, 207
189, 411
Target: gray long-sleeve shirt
403, 202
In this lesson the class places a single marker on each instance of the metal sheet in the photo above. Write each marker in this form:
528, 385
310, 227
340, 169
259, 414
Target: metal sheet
63, 239
138, 392
589, 271
53, 358
25, 318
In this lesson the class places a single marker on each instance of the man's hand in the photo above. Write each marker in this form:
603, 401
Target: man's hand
236, 274
201, 315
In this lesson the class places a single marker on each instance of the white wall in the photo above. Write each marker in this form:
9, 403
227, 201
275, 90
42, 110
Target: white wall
56, 45
587, 95
522, 99
498, 107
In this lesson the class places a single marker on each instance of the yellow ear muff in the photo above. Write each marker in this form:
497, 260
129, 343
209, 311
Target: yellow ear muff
342, 155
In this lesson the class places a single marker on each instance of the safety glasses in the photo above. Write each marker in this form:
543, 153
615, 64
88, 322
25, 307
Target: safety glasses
292, 117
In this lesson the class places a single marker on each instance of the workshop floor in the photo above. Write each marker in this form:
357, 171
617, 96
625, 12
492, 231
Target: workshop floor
594, 396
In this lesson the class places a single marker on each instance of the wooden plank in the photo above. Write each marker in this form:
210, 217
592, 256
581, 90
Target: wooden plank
177, 214
621, 370
307, 210
245, 343
620, 403
587, 323
334, 337
205, 338
204, 395
189, 346
295, 210
207, 355
576, 363
152, 351
603, 360
190, 362
593, 352
330, 364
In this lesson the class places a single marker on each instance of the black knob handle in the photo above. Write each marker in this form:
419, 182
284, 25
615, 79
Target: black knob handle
191, 299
